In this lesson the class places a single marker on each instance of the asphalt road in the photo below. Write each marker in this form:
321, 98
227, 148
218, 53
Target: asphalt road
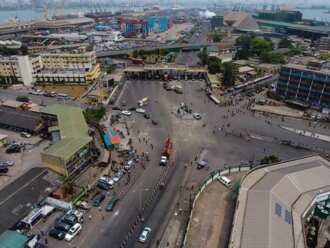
11, 94
190, 137
191, 58
18, 198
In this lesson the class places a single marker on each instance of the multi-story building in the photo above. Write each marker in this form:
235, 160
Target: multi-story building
17, 69
306, 84
324, 43
216, 21
131, 27
68, 76
71, 148
157, 24
61, 68
76, 60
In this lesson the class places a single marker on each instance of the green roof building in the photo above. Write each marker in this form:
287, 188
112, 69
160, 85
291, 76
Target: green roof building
71, 144
12, 239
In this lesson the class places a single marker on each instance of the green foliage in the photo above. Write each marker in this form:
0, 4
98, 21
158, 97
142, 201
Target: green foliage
284, 43
325, 56
295, 51
216, 36
214, 65
272, 58
230, 73
269, 159
259, 46
135, 54
94, 114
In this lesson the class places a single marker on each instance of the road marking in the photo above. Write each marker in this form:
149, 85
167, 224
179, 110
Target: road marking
24, 186
116, 213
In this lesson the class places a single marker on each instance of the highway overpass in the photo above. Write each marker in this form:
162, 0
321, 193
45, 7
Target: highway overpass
190, 47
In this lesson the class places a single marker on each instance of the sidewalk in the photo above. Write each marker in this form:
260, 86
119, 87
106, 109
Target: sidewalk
211, 222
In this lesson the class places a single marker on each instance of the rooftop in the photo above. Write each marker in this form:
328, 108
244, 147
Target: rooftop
273, 201
12, 239
73, 131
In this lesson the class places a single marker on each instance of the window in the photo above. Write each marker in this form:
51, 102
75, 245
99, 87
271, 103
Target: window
278, 209
287, 217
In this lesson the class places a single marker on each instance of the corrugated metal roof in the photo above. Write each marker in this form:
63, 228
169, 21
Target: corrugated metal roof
73, 131
12, 239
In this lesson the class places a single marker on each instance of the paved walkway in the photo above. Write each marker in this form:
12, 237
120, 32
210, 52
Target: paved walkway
308, 133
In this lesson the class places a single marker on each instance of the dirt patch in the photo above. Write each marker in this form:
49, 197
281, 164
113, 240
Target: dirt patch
209, 217
71, 90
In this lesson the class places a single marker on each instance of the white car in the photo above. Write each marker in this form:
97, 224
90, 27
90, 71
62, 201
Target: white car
116, 179
125, 112
197, 116
144, 234
140, 110
73, 232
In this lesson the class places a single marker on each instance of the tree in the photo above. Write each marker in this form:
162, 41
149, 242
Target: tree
284, 43
214, 65
203, 56
260, 45
271, 159
229, 74
135, 54
272, 58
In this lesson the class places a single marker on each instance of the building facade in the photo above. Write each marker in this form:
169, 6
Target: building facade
76, 60
49, 68
216, 22
324, 43
306, 84
71, 148
157, 24
17, 69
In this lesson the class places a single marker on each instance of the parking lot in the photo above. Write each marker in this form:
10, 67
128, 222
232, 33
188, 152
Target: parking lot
24, 160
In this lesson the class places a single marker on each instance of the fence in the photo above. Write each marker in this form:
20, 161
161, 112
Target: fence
214, 175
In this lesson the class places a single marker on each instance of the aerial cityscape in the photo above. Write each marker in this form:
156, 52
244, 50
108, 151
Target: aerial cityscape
169, 124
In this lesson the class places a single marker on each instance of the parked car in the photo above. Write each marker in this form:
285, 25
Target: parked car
4, 169
112, 203
129, 164
63, 227
147, 116
13, 148
103, 185
144, 234
69, 219
57, 234
140, 110
7, 163
97, 199
126, 113
197, 116
73, 232
154, 122
116, 108
83, 205
25, 135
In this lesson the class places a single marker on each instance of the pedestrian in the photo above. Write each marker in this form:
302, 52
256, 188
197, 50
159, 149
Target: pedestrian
89, 217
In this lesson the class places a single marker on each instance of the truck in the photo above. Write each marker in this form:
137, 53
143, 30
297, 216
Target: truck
166, 153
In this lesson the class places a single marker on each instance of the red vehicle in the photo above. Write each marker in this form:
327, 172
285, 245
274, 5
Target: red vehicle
166, 153
137, 61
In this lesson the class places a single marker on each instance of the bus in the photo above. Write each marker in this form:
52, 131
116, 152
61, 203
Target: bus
33, 218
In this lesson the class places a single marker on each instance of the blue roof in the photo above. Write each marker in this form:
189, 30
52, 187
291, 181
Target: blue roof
12, 239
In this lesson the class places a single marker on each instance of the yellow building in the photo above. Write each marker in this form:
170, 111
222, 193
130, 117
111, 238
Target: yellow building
77, 60
71, 149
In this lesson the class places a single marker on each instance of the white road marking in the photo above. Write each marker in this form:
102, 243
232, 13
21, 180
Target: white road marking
116, 213
24, 186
